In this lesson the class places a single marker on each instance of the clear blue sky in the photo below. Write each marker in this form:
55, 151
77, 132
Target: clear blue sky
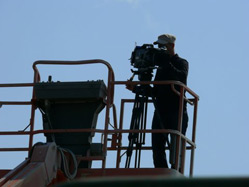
212, 35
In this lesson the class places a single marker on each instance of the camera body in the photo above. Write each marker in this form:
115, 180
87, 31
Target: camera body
144, 58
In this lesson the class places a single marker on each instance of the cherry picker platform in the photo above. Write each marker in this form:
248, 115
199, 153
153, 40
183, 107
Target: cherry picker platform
69, 114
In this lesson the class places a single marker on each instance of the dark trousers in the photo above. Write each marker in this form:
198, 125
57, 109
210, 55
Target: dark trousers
169, 120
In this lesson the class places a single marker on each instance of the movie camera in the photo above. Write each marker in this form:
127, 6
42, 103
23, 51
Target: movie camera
144, 58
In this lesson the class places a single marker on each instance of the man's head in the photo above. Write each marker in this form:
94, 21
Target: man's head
166, 40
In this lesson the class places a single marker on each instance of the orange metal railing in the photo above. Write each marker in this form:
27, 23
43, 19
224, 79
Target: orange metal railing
193, 101
118, 131
37, 78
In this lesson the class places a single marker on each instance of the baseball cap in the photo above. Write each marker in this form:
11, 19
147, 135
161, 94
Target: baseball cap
165, 38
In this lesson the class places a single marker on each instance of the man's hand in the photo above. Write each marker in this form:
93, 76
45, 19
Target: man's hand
129, 86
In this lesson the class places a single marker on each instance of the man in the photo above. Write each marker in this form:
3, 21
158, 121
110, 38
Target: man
171, 67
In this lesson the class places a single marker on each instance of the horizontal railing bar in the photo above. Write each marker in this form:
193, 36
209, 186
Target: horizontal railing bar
99, 131
115, 82
14, 149
159, 83
88, 158
190, 101
15, 103
7, 133
17, 85
92, 158
132, 100
142, 148
80, 62
89, 130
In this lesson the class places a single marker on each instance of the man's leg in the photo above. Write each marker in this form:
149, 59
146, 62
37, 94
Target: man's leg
174, 123
158, 145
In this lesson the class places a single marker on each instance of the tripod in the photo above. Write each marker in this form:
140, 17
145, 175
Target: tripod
138, 121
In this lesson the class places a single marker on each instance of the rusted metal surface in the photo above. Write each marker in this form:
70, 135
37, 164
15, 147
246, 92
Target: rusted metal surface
127, 172
32, 175
3, 172
39, 170
160, 181
13, 172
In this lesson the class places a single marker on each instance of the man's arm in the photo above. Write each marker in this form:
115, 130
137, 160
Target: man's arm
178, 68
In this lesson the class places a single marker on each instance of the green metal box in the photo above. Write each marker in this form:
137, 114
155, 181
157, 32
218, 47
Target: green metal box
71, 105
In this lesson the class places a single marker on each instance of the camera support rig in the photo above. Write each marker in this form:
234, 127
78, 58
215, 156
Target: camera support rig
138, 121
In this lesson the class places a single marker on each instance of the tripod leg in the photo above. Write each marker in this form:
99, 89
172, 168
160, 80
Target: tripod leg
132, 136
142, 126
137, 122
129, 153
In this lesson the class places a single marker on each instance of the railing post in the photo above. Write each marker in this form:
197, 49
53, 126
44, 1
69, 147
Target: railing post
178, 139
32, 118
107, 118
120, 134
183, 153
193, 137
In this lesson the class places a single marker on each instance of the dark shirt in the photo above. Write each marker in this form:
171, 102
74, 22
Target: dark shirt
174, 68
